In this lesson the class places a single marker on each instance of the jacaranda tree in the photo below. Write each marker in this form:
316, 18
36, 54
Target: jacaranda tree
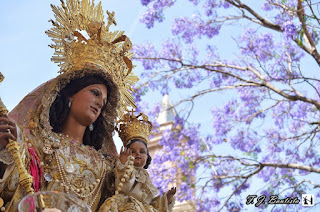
270, 120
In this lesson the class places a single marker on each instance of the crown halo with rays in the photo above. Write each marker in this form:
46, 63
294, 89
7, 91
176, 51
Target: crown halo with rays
83, 40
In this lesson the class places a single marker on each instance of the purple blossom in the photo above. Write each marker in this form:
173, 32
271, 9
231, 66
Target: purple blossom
193, 27
208, 204
234, 206
145, 2
155, 11
195, 2
290, 29
210, 6
267, 173
145, 50
257, 45
242, 188
261, 123
182, 149
267, 6
221, 124
244, 141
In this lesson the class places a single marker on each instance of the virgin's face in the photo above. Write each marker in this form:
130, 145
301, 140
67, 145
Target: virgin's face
139, 152
87, 103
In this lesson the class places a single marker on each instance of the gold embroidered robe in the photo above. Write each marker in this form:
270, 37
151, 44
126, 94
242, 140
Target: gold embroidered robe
72, 168
137, 194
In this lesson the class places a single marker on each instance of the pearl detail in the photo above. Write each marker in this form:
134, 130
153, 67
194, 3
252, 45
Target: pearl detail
125, 177
88, 191
77, 191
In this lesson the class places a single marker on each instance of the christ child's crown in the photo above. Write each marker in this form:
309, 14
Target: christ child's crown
131, 127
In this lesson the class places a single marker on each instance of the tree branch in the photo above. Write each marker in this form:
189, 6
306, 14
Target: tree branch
292, 166
301, 15
262, 20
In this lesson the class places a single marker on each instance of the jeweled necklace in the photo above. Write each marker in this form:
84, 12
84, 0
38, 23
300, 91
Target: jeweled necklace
81, 193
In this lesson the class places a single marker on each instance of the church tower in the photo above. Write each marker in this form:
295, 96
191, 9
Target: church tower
166, 121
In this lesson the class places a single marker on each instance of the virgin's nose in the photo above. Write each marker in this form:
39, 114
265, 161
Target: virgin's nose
99, 102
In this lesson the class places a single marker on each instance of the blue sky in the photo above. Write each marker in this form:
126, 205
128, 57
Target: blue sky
25, 59
25, 56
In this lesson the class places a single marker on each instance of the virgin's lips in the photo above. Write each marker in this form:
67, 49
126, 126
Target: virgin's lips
95, 110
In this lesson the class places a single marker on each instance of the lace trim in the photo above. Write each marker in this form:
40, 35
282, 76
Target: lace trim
6, 157
142, 176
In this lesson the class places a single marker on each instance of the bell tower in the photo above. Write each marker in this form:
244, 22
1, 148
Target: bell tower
166, 121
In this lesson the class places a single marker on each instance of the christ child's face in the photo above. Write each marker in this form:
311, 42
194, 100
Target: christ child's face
139, 152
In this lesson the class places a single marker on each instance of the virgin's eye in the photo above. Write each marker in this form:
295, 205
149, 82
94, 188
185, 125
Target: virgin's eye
96, 93
142, 152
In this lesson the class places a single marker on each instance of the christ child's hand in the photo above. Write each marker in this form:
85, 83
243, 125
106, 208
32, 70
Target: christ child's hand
124, 153
170, 194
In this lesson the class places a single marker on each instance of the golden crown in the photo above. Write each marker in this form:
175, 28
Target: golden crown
131, 126
82, 40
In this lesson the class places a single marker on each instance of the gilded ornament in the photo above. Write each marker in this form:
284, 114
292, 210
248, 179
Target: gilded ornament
47, 149
132, 126
3, 108
69, 167
1, 77
25, 179
82, 40
48, 177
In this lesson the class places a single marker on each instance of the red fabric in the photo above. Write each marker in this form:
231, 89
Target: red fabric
35, 169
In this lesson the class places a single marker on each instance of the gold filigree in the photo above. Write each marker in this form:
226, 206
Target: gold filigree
78, 182
32, 119
25, 179
84, 166
1, 77
3, 108
131, 126
82, 40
